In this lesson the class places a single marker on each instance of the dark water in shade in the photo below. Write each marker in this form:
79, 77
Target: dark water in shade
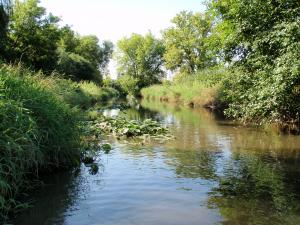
214, 172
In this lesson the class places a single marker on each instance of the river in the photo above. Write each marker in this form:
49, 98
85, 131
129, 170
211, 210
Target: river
213, 172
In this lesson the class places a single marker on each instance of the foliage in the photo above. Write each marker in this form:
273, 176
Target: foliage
83, 94
140, 58
76, 67
116, 85
201, 89
265, 50
81, 57
39, 134
33, 35
129, 84
186, 47
35, 39
121, 126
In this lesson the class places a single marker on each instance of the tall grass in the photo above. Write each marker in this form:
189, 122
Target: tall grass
199, 89
39, 133
82, 94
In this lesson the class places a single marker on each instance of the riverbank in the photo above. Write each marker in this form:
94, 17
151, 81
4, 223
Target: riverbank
198, 90
226, 92
40, 121
211, 171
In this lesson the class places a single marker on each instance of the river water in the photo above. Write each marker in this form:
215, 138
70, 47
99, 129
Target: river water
213, 172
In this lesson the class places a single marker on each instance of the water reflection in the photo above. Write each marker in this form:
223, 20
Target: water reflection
257, 174
60, 192
214, 172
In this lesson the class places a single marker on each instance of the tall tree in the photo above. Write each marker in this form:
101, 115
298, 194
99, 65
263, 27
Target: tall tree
257, 31
141, 57
33, 35
185, 42
263, 42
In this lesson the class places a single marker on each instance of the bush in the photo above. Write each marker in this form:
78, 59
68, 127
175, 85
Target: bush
267, 95
76, 67
129, 84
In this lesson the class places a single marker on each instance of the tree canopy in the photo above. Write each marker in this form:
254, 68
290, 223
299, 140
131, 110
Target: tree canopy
35, 39
141, 57
185, 42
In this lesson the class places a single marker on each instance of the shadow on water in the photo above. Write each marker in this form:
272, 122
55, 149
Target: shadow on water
59, 192
213, 172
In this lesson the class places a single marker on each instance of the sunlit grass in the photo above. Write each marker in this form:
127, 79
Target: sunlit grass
199, 89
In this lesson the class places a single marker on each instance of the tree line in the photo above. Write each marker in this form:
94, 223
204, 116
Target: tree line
33, 37
257, 42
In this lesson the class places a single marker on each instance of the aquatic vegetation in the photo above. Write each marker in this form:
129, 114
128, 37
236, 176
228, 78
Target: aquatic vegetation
123, 127
106, 147
94, 168
88, 159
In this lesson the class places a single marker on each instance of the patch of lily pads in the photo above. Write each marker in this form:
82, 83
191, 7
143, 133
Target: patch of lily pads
123, 127
120, 127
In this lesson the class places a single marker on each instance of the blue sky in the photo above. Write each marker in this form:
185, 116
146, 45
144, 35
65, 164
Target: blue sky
113, 19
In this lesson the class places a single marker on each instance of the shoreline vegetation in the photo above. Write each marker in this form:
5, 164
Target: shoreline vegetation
47, 125
40, 126
199, 90
207, 89
239, 58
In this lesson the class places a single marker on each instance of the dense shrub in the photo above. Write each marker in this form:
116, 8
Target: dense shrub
75, 67
263, 47
83, 94
129, 84
267, 95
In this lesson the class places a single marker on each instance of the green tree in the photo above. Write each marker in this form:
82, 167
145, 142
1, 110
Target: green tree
264, 45
76, 67
141, 58
33, 35
257, 31
82, 57
69, 40
185, 42
107, 49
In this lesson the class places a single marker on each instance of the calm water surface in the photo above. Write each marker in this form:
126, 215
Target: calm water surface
214, 172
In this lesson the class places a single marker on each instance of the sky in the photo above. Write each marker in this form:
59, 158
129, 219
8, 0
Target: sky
114, 19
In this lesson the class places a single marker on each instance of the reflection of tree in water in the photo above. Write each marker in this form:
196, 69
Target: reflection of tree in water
193, 164
60, 195
258, 181
139, 114
257, 190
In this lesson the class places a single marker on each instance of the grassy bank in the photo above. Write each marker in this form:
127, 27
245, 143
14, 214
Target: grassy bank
258, 99
39, 125
198, 90
83, 94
